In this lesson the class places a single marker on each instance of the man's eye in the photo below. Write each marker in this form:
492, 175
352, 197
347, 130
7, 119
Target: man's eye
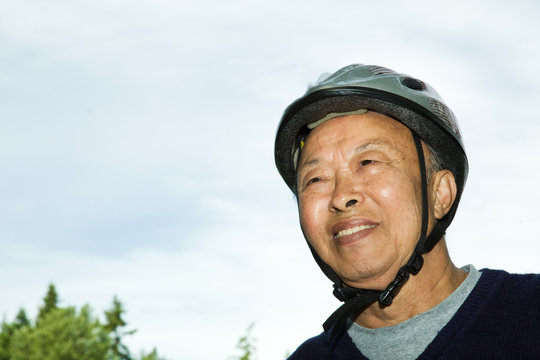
313, 180
366, 162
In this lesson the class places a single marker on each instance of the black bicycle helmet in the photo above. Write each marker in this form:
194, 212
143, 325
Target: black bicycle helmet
403, 98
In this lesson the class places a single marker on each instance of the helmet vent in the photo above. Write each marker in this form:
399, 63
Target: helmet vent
413, 84
445, 114
379, 70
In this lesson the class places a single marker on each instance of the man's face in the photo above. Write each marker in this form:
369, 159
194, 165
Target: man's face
359, 196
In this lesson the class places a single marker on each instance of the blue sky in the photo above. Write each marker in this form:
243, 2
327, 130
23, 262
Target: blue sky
136, 152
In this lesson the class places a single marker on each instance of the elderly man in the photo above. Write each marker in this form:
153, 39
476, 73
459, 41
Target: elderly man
376, 161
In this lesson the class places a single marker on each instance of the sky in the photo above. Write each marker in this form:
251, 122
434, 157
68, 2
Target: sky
136, 153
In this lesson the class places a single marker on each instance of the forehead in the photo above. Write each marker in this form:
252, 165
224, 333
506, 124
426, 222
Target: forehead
368, 128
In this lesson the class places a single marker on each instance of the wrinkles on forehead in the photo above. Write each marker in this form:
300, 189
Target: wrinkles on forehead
375, 144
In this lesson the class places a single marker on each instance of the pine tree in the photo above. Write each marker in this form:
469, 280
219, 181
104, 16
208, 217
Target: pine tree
21, 320
114, 324
65, 333
62, 334
247, 344
6, 332
50, 302
153, 355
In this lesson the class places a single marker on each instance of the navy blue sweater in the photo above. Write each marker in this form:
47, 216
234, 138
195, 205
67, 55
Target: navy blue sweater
500, 319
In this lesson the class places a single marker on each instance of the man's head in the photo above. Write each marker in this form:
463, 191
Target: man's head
329, 125
360, 198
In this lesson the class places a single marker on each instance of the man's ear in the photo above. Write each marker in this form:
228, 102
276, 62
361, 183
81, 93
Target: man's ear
444, 191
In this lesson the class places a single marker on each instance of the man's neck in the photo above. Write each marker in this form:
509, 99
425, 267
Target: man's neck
437, 279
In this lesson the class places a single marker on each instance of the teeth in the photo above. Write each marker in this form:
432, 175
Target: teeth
353, 230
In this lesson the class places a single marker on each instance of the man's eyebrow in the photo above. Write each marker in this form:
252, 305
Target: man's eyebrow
378, 142
365, 146
308, 163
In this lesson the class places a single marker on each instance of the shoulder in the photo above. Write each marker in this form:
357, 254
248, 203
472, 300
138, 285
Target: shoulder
320, 347
317, 347
518, 284
500, 319
509, 295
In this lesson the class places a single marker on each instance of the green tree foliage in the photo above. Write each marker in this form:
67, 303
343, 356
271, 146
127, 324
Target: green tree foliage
246, 344
21, 320
114, 326
62, 334
6, 332
65, 333
153, 355
50, 302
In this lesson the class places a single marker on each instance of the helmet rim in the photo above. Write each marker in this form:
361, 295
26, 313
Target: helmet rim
444, 139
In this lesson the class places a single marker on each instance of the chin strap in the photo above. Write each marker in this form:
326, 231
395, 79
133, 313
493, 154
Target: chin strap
355, 300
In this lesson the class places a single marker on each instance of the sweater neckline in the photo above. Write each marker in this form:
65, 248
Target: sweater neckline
486, 286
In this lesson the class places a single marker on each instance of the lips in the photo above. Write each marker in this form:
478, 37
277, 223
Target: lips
353, 230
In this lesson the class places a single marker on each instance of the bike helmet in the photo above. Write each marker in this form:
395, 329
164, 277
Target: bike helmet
404, 98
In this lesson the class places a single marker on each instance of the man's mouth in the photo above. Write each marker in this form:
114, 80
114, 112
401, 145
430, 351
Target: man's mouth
353, 230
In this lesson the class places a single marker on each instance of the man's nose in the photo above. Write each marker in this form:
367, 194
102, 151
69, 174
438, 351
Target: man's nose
348, 192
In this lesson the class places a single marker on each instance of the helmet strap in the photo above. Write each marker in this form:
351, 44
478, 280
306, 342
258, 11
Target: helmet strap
355, 299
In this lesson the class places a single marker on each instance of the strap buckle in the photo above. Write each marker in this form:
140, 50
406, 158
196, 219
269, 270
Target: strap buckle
387, 296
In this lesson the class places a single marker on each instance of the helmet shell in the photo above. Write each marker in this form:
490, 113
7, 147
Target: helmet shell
401, 97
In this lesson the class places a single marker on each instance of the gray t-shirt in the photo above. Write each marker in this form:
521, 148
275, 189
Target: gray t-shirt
409, 339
